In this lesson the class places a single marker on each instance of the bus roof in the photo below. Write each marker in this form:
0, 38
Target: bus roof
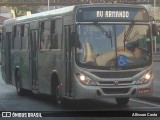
40, 15
66, 10
49, 13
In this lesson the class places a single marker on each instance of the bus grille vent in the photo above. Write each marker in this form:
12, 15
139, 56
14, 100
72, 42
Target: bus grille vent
112, 83
115, 90
116, 74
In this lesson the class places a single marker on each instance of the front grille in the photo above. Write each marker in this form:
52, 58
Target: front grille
115, 90
125, 74
112, 82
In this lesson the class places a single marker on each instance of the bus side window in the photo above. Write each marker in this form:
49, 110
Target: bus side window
14, 31
52, 34
14, 35
45, 36
56, 34
16, 38
24, 36
22, 31
54, 38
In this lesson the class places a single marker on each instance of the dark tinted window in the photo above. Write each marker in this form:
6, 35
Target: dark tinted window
24, 36
45, 36
17, 37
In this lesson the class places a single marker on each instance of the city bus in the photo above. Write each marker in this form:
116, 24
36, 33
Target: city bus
88, 51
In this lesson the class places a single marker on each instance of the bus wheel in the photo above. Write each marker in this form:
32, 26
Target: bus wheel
19, 89
122, 101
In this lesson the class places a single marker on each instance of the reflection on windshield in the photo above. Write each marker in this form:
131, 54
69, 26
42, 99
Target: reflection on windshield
95, 48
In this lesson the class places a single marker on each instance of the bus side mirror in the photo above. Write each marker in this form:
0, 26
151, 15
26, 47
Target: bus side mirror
154, 29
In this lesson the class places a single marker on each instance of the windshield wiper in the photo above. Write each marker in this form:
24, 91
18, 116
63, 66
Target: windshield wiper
106, 33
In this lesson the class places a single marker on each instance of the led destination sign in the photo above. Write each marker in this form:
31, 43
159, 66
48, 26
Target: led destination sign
112, 14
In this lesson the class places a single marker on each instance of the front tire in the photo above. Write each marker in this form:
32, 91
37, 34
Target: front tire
122, 101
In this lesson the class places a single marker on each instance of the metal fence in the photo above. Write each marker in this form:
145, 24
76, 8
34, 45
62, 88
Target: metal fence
68, 2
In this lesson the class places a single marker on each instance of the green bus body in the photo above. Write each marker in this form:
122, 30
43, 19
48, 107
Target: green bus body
40, 51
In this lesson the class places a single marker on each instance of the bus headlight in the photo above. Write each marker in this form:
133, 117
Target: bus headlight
145, 79
84, 79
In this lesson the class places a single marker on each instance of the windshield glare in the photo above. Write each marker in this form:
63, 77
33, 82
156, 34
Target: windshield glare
120, 46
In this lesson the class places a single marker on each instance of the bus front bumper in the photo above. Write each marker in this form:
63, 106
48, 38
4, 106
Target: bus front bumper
94, 92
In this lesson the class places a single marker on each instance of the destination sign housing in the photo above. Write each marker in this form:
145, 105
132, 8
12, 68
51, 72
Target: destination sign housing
112, 14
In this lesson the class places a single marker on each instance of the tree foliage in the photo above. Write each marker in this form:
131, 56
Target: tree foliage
21, 10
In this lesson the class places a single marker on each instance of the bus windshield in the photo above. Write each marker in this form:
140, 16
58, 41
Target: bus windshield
113, 46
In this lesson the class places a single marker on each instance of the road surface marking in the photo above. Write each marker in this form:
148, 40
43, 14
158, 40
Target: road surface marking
145, 102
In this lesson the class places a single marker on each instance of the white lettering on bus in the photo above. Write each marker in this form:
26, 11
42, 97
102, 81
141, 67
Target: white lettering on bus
115, 14
99, 13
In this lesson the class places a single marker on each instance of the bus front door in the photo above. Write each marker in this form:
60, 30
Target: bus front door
68, 86
33, 60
